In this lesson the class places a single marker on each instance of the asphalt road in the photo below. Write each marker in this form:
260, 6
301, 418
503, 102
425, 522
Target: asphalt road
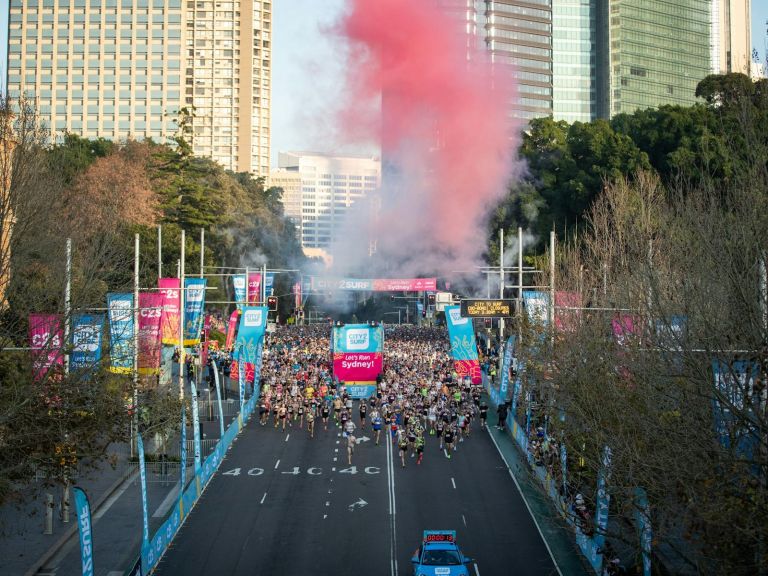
285, 504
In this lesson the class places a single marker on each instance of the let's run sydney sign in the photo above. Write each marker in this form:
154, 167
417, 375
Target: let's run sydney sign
357, 353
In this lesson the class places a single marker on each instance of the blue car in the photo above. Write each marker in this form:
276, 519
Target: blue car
439, 555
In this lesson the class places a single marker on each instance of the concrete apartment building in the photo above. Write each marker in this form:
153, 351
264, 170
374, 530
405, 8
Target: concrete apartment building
731, 37
330, 186
122, 69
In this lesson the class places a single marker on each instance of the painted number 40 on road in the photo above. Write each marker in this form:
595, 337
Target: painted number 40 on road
296, 471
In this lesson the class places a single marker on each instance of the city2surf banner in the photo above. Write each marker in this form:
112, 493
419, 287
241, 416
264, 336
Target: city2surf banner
254, 288
238, 285
86, 341
357, 352
250, 335
150, 347
120, 307
169, 288
463, 345
374, 284
194, 303
45, 339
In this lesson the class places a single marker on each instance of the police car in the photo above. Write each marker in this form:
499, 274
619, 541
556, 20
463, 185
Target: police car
439, 555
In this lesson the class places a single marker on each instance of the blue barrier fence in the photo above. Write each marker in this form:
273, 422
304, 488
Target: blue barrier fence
160, 541
586, 544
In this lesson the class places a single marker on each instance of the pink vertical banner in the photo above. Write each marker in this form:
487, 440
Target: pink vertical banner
206, 334
567, 320
169, 321
297, 294
625, 328
233, 320
254, 288
234, 371
150, 346
45, 338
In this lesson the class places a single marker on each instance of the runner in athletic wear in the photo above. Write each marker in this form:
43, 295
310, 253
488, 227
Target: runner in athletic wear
420, 448
402, 445
450, 437
483, 413
300, 412
377, 422
311, 424
325, 412
350, 448
363, 413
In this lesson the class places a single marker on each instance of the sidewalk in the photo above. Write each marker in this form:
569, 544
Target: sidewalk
555, 532
116, 510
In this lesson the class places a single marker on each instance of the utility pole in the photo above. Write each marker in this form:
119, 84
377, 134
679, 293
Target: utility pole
552, 280
501, 286
202, 251
159, 252
519, 282
182, 305
135, 372
67, 303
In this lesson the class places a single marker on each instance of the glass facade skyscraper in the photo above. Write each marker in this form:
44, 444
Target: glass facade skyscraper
574, 60
659, 51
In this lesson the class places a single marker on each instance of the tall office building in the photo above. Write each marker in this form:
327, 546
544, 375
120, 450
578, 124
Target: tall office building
290, 182
124, 68
574, 58
731, 36
330, 186
518, 33
659, 50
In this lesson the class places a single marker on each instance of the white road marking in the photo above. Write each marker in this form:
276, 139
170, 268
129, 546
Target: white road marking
277, 464
335, 459
464, 519
338, 441
454, 483
114, 498
325, 516
333, 470
536, 522
477, 571
286, 438
392, 510
166, 504
327, 503
335, 449
263, 498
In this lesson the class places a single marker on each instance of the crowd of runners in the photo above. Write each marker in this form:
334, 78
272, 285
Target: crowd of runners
418, 395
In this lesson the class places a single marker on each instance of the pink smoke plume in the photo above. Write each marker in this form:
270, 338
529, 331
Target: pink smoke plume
446, 138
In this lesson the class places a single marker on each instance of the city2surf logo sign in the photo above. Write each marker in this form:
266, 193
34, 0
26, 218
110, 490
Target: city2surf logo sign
358, 339
253, 318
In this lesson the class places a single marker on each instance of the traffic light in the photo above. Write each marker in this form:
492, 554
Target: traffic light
431, 299
272, 303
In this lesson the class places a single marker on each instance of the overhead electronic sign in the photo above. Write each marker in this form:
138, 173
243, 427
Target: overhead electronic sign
487, 308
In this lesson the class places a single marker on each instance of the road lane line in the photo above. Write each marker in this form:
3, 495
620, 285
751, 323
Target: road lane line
166, 504
454, 483
286, 438
277, 464
392, 509
536, 522
114, 498
477, 572
263, 498
464, 519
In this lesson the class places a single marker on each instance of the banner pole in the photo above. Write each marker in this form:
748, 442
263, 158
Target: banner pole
67, 304
501, 293
135, 418
159, 252
263, 285
182, 300
519, 282
202, 251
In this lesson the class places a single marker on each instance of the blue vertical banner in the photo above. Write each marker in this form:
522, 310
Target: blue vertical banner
238, 284
536, 307
644, 529
463, 345
120, 307
194, 304
506, 364
218, 396
183, 456
250, 333
144, 505
84, 527
564, 468
241, 387
734, 405
603, 499
516, 388
269, 283
86, 341
195, 424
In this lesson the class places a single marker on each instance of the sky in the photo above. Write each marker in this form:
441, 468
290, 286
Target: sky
308, 69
